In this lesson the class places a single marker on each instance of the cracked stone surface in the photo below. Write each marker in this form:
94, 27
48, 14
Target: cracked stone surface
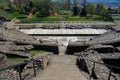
62, 67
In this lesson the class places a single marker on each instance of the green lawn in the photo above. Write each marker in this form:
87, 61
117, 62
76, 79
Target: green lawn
36, 52
23, 17
79, 19
64, 17
20, 59
15, 15
15, 59
54, 18
41, 19
117, 19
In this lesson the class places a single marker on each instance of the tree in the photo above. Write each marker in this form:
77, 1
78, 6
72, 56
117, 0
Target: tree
29, 6
83, 12
5, 4
69, 4
106, 15
21, 4
44, 8
3, 15
57, 4
91, 8
75, 2
43, 12
75, 11
99, 8
4, 9
14, 7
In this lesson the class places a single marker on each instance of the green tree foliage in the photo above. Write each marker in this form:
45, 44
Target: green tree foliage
43, 8
99, 8
91, 8
3, 15
39, 7
43, 12
76, 8
75, 11
21, 4
14, 7
83, 12
5, 7
5, 4
68, 5
105, 13
29, 6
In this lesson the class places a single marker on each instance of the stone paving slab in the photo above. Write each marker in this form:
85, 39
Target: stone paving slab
62, 68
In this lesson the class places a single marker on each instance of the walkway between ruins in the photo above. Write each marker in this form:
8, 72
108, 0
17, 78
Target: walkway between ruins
62, 67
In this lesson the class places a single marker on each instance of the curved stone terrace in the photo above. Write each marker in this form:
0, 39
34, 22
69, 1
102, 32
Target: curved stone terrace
63, 24
86, 31
63, 67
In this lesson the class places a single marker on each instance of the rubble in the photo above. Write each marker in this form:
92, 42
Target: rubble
102, 48
100, 70
3, 59
9, 75
110, 55
13, 49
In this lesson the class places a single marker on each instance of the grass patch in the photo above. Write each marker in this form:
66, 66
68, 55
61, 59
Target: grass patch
36, 52
117, 19
56, 18
79, 19
51, 18
15, 59
16, 15
23, 18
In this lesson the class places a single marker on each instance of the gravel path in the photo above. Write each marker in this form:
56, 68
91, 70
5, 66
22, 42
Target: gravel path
62, 67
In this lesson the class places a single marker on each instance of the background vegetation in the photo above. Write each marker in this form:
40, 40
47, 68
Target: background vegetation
47, 10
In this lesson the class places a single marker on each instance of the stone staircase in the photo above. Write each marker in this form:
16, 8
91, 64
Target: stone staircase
62, 67
62, 45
